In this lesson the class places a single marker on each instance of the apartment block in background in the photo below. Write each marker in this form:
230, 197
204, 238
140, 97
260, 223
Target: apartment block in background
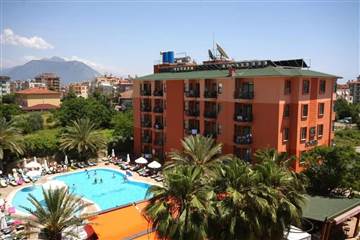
80, 89
51, 81
355, 89
245, 105
4, 85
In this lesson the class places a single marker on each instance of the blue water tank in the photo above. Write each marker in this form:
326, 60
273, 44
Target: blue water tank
165, 58
170, 56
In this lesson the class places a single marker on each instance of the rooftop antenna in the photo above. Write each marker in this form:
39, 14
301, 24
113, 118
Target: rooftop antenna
213, 50
211, 55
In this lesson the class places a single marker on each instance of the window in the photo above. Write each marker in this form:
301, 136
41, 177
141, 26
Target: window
287, 87
286, 110
312, 132
333, 126
321, 109
320, 130
285, 134
303, 132
322, 87
304, 111
306, 87
220, 88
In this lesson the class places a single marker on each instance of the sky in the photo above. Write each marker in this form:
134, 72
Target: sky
126, 37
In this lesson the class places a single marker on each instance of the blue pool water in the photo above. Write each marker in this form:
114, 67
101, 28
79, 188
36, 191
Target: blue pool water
111, 193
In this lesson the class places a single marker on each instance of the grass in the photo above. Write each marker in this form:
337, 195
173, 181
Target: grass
347, 137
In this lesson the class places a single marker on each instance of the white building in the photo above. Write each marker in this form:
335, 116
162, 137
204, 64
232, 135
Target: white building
4, 85
343, 92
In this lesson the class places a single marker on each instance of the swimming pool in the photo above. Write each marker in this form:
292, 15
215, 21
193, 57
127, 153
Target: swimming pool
112, 192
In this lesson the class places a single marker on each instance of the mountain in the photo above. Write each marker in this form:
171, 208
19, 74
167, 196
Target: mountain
68, 71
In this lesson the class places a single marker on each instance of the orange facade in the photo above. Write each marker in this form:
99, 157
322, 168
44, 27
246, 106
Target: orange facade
290, 114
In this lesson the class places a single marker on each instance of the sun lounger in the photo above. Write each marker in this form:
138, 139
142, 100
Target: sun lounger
159, 179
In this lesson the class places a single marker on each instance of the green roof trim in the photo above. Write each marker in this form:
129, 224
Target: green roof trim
322, 208
252, 72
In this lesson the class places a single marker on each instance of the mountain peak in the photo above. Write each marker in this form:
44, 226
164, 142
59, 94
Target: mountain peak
55, 59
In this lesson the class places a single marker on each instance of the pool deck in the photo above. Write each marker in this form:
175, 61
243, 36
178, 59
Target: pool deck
9, 192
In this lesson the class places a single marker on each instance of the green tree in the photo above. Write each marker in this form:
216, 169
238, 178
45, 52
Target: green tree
271, 154
10, 139
179, 209
123, 125
9, 99
332, 171
8, 111
257, 202
82, 136
58, 215
30, 122
76, 108
42, 143
344, 109
199, 151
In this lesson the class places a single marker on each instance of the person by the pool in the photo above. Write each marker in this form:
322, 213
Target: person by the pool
113, 176
125, 178
95, 172
101, 181
95, 180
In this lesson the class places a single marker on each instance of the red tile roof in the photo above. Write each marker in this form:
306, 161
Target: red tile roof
39, 107
37, 91
126, 94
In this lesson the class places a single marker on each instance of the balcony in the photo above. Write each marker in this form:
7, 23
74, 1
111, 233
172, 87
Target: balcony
192, 93
158, 109
243, 95
243, 139
210, 114
146, 139
146, 108
145, 92
192, 112
243, 118
210, 94
158, 125
146, 124
158, 92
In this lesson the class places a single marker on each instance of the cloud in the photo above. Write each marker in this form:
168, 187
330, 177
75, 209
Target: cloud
99, 67
9, 37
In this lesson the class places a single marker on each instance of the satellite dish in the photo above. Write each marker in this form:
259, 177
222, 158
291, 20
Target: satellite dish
221, 51
211, 55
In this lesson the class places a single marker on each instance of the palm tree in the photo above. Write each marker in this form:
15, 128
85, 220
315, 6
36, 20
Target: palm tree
179, 209
271, 154
242, 203
82, 137
10, 139
198, 151
58, 215
289, 189
257, 202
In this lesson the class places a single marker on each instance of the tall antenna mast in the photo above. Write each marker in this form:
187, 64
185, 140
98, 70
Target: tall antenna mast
213, 37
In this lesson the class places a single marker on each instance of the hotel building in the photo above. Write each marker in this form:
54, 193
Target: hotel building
246, 106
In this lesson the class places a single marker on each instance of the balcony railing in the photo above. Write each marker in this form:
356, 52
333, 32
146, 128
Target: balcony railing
210, 114
192, 113
243, 118
210, 94
145, 92
243, 95
145, 108
158, 125
146, 124
243, 139
146, 139
158, 109
158, 92
192, 93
